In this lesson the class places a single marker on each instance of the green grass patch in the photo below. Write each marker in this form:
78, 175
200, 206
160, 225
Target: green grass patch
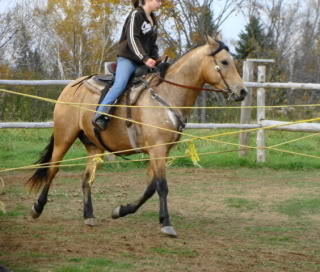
18, 211
241, 203
274, 229
94, 265
184, 252
299, 207
150, 215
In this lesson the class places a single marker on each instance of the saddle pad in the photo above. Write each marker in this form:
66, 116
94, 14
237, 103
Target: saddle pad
93, 86
96, 88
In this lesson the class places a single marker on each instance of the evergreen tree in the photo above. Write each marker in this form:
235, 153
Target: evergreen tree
253, 40
205, 24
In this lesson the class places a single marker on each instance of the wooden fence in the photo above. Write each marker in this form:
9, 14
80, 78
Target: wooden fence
245, 119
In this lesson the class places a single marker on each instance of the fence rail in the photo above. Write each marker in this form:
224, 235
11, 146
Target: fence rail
289, 85
245, 122
34, 82
303, 127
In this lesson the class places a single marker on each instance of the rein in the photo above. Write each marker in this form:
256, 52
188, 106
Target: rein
222, 46
190, 87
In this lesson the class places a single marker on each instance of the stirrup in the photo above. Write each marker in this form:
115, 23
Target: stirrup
101, 122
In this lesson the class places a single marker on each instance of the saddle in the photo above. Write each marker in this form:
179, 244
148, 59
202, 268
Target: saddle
100, 84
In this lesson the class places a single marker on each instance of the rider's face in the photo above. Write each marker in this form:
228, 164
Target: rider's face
155, 4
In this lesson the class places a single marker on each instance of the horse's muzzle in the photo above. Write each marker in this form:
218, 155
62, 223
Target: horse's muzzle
243, 94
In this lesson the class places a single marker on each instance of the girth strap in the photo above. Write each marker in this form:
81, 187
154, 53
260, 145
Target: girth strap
181, 123
129, 115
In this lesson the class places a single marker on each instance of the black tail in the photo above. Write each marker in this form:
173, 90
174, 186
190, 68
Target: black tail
40, 176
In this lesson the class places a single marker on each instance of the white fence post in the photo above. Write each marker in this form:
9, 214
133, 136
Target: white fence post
261, 115
245, 117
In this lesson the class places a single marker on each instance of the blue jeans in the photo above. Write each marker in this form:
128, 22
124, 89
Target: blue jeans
125, 68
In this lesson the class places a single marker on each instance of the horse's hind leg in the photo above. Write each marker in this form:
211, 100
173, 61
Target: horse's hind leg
89, 218
45, 175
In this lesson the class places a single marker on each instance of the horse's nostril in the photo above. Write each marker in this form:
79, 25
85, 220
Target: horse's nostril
243, 93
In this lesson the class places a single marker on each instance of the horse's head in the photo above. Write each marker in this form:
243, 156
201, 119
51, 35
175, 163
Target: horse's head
219, 70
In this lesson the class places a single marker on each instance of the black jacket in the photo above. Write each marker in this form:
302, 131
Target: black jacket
138, 37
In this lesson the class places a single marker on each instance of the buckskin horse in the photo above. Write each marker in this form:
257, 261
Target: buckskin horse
210, 63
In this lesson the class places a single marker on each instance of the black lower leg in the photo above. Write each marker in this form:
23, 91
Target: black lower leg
132, 208
88, 209
87, 206
162, 189
42, 200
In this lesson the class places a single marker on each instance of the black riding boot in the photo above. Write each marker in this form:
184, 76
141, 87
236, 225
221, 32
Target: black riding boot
100, 121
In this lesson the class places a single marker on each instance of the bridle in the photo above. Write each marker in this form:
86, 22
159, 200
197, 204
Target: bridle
221, 47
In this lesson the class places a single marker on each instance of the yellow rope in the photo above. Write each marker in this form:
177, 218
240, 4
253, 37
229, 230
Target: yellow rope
187, 140
295, 140
96, 161
192, 152
209, 138
171, 159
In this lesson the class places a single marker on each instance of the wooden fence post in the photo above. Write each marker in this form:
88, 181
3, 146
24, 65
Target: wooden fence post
245, 117
261, 115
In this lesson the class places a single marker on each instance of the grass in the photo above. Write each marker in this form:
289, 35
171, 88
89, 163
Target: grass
234, 213
246, 219
299, 207
20, 147
242, 204
94, 264
176, 251
18, 211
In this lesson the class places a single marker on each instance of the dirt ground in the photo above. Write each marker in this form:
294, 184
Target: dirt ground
212, 234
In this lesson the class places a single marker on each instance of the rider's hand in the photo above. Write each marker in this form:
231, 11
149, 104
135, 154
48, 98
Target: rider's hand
150, 63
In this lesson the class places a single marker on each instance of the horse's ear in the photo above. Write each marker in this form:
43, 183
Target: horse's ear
210, 40
212, 43
218, 36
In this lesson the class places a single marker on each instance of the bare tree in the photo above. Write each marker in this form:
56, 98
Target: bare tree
183, 23
7, 30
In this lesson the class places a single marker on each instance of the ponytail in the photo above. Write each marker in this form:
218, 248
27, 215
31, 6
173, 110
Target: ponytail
136, 3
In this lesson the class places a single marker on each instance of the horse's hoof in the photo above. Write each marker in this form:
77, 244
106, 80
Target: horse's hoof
169, 231
116, 213
34, 214
90, 222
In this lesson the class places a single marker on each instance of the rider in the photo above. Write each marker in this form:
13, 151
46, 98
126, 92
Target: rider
137, 46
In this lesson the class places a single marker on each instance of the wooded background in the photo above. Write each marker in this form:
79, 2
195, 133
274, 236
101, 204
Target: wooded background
66, 39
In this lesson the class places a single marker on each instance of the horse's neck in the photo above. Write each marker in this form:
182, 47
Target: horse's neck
185, 72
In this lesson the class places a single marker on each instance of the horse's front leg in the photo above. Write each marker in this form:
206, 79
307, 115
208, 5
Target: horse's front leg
124, 210
157, 183
89, 218
159, 168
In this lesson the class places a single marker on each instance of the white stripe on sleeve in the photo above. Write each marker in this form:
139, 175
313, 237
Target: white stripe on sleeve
133, 42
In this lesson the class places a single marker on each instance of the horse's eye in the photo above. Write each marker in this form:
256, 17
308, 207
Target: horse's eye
225, 62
